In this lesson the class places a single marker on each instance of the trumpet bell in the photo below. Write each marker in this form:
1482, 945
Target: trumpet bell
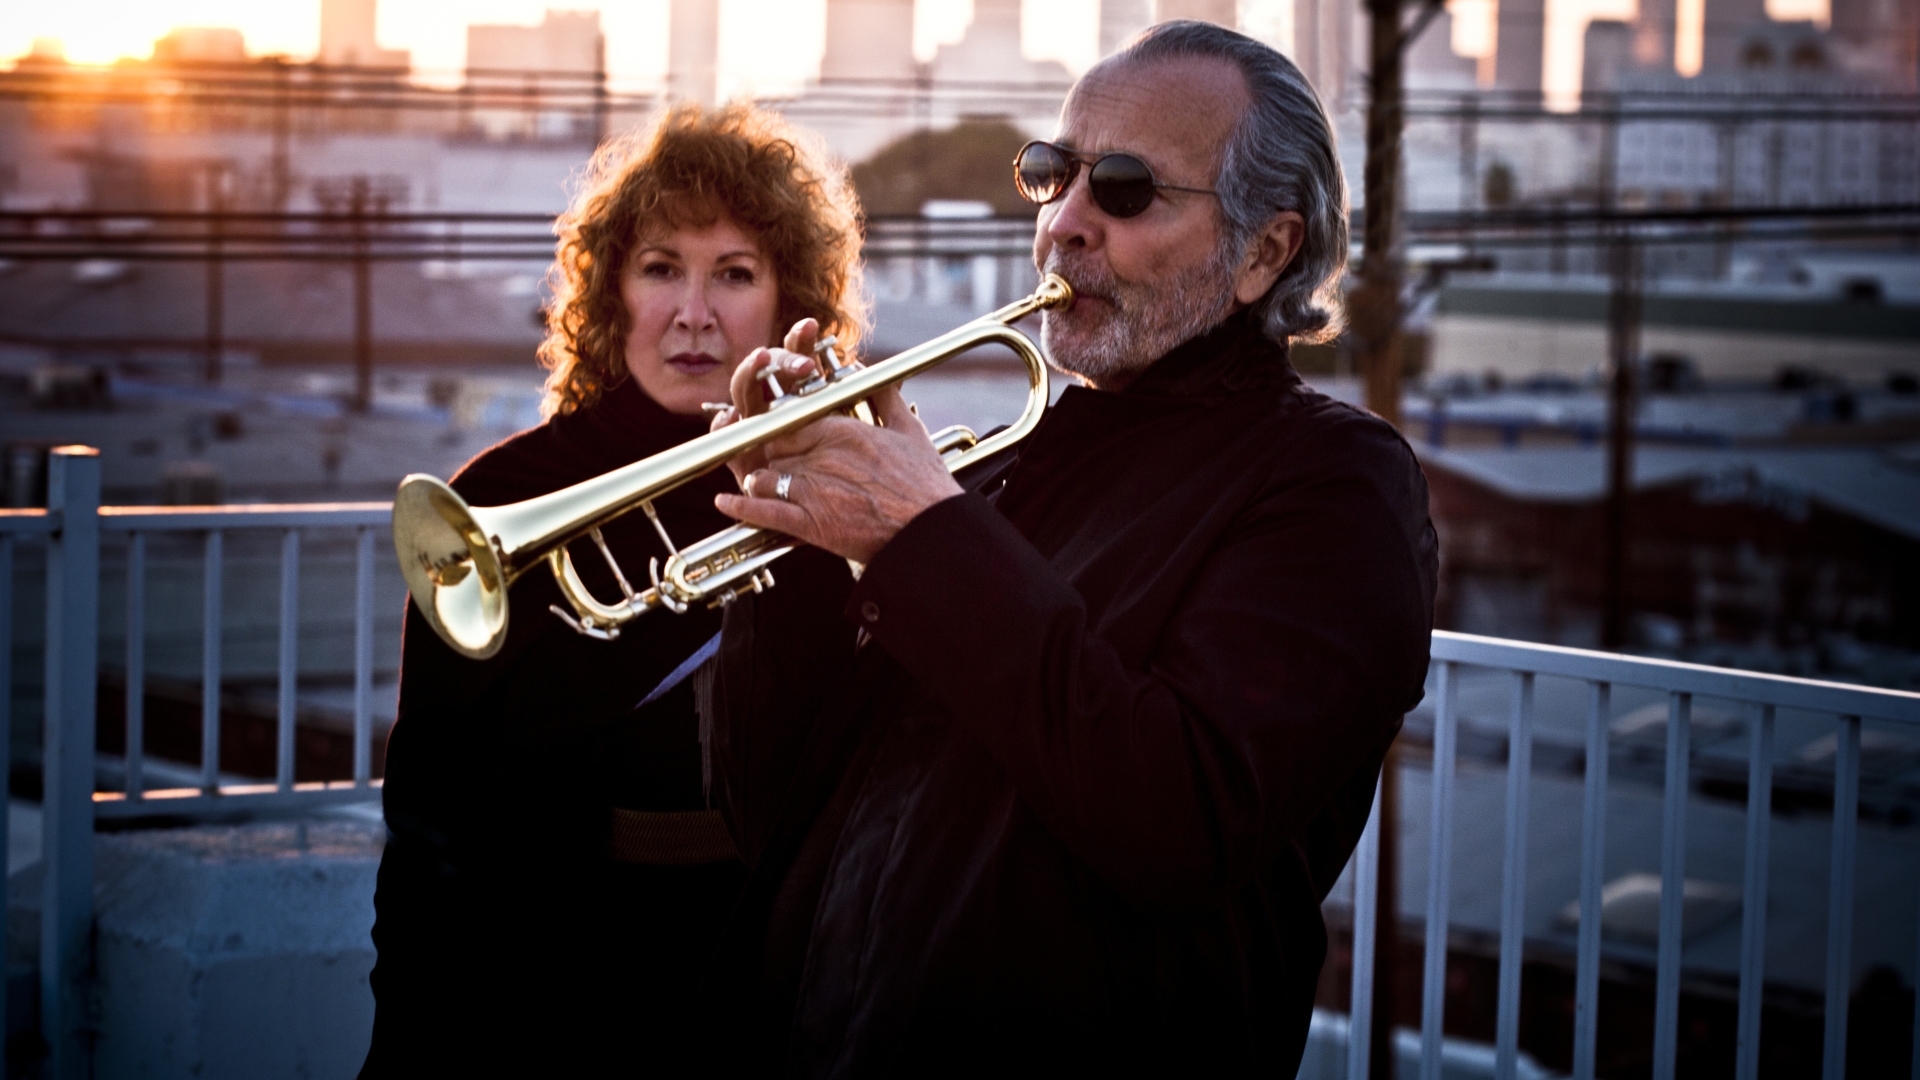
452, 571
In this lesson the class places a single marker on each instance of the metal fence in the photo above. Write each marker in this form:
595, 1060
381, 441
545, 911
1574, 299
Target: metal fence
73, 524
1761, 697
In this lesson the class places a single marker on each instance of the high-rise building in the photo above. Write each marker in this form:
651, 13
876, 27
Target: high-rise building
1725, 23
991, 51
1120, 20
1323, 45
1520, 43
1653, 34
564, 43
201, 45
347, 37
869, 39
693, 51
1607, 54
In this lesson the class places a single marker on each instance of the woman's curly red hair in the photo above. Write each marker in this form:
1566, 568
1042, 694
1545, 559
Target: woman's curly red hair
693, 167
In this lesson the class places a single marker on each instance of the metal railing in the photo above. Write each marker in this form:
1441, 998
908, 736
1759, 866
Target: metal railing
73, 524
72, 527
1761, 696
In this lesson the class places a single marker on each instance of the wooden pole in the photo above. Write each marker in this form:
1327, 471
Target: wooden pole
362, 300
1374, 305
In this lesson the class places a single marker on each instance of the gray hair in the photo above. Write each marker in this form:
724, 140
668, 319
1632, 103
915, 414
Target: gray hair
1280, 156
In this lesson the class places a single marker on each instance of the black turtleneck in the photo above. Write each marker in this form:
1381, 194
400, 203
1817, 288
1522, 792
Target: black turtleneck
505, 933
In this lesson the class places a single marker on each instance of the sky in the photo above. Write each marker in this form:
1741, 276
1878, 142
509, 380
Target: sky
764, 44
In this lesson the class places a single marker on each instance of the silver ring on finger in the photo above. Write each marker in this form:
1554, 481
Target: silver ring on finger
783, 487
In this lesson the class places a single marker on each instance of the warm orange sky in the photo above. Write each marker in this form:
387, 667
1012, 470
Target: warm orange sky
763, 42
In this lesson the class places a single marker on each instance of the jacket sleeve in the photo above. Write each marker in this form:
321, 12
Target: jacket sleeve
1291, 656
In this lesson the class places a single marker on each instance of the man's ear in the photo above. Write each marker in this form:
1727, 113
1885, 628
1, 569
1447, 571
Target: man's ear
1271, 252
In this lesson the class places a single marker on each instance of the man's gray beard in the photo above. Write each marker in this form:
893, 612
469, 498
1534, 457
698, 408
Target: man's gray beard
1147, 321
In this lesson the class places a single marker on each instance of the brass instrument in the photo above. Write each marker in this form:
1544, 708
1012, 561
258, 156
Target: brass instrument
459, 560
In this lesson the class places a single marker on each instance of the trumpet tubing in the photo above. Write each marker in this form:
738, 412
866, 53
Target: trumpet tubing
459, 560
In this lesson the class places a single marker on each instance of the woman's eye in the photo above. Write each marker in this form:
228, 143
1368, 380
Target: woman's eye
737, 275
656, 269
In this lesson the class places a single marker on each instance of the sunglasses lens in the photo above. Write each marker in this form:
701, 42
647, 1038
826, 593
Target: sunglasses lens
1041, 172
1121, 184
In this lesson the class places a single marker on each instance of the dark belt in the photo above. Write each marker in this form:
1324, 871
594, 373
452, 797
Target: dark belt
679, 838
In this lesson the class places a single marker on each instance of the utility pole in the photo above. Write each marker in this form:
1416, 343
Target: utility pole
1374, 305
1375, 311
359, 198
216, 270
1623, 349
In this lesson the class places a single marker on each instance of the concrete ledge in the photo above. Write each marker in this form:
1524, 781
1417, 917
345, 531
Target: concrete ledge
232, 951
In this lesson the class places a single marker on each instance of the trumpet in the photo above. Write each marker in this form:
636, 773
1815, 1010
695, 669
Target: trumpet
459, 560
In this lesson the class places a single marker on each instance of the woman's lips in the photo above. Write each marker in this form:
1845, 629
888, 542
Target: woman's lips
692, 363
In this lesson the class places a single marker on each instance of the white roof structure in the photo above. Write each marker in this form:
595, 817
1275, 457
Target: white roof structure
1876, 484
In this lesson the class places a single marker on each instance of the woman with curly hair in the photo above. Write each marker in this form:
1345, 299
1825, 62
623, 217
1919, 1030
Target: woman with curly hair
553, 880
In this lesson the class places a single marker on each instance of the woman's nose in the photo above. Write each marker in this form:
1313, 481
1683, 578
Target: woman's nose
694, 313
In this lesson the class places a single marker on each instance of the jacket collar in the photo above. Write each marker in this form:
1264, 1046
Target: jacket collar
1232, 358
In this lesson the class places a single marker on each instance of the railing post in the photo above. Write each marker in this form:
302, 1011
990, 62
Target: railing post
1593, 873
1513, 894
210, 628
1673, 878
363, 659
1366, 883
1753, 903
1433, 990
6, 723
1846, 826
73, 615
289, 657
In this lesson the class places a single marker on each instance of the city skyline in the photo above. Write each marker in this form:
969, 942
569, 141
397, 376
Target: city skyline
766, 46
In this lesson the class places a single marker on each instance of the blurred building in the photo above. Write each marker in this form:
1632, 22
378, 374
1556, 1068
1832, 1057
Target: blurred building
562, 57
693, 51
1794, 558
872, 90
1120, 20
201, 45
347, 37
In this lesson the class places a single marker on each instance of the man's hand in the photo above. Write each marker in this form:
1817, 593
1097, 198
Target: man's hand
853, 485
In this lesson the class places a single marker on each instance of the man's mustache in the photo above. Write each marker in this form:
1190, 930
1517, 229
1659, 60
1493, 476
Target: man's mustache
1088, 278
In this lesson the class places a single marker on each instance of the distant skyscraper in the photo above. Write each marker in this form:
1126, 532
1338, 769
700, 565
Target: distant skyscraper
201, 45
1224, 12
1323, 44
990, 52
868, 39
1120, 20
1607, 54
1519, 43
693, 51
564, 42
1726, 23
1653, 34
347, 37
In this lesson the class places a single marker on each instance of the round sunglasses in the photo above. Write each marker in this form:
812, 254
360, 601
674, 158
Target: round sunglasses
1121, 184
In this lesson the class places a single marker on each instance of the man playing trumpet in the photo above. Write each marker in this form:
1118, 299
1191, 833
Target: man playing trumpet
1059, 782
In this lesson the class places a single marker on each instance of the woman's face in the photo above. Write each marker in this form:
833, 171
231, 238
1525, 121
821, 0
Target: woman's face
700, 300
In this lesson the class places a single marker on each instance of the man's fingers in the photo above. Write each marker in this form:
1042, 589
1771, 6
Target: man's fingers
748, 399
764, 513
801, 338
893, 411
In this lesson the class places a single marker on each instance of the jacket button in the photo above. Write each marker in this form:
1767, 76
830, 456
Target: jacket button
870, 611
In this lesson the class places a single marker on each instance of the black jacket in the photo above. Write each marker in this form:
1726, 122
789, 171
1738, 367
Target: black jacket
1070, 798
509, 942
